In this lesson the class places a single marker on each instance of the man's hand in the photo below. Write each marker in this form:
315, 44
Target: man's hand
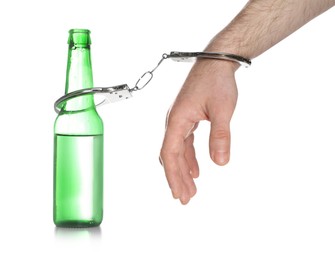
209, 93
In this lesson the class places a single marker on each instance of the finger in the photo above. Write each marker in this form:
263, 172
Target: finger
190, 156
190, 133
185, 197
188, 181
171, 150
219, 143
220, 113
172, 173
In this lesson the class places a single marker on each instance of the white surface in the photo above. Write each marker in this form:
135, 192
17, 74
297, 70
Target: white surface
275, 199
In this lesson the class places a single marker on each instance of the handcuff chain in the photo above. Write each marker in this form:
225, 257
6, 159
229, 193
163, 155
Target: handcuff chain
149, 74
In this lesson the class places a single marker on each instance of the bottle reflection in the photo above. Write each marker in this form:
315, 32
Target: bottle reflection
92, 233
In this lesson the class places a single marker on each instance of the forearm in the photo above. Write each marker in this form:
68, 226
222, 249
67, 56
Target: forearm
263, 23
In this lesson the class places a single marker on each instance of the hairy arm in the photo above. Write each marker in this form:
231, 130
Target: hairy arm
260, 25
263, 23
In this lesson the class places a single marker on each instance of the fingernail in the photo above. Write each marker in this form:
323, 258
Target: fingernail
219, 158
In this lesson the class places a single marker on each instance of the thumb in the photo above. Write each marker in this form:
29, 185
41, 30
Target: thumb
219, 142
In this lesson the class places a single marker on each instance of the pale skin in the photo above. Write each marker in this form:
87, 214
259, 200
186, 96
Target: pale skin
260, 25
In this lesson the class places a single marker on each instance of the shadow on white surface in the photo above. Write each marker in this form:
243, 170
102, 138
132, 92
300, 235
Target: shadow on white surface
78, 233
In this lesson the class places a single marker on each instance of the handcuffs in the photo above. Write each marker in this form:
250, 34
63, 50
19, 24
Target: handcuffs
121, 92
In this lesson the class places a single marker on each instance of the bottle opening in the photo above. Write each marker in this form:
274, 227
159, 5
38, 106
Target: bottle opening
79, 31
79, 37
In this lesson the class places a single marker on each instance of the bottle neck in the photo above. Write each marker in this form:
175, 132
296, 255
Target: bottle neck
79, 76
79, 69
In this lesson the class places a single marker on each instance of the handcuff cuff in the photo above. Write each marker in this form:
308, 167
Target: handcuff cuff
122, 92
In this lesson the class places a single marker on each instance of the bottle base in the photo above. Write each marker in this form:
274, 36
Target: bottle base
77, 224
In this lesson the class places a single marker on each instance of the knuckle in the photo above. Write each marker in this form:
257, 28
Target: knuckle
174, 118
167, 153
220, 134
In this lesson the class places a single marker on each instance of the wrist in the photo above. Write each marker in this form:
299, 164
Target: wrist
214, 66
233, 64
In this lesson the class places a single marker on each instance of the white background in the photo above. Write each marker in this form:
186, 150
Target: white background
275, 199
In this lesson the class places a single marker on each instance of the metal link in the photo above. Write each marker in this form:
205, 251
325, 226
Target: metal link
137, 86
150, 73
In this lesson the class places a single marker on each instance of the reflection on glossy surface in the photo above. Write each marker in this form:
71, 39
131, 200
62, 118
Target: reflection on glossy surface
93, 233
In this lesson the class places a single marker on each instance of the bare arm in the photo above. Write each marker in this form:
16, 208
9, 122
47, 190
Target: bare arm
263, 23
260, 25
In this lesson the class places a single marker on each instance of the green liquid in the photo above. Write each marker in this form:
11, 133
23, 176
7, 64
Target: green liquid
78, 180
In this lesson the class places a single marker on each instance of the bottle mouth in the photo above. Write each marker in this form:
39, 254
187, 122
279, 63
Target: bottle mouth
79, 37
79, 31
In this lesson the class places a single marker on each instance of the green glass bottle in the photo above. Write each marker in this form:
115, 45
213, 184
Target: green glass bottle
78, 144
